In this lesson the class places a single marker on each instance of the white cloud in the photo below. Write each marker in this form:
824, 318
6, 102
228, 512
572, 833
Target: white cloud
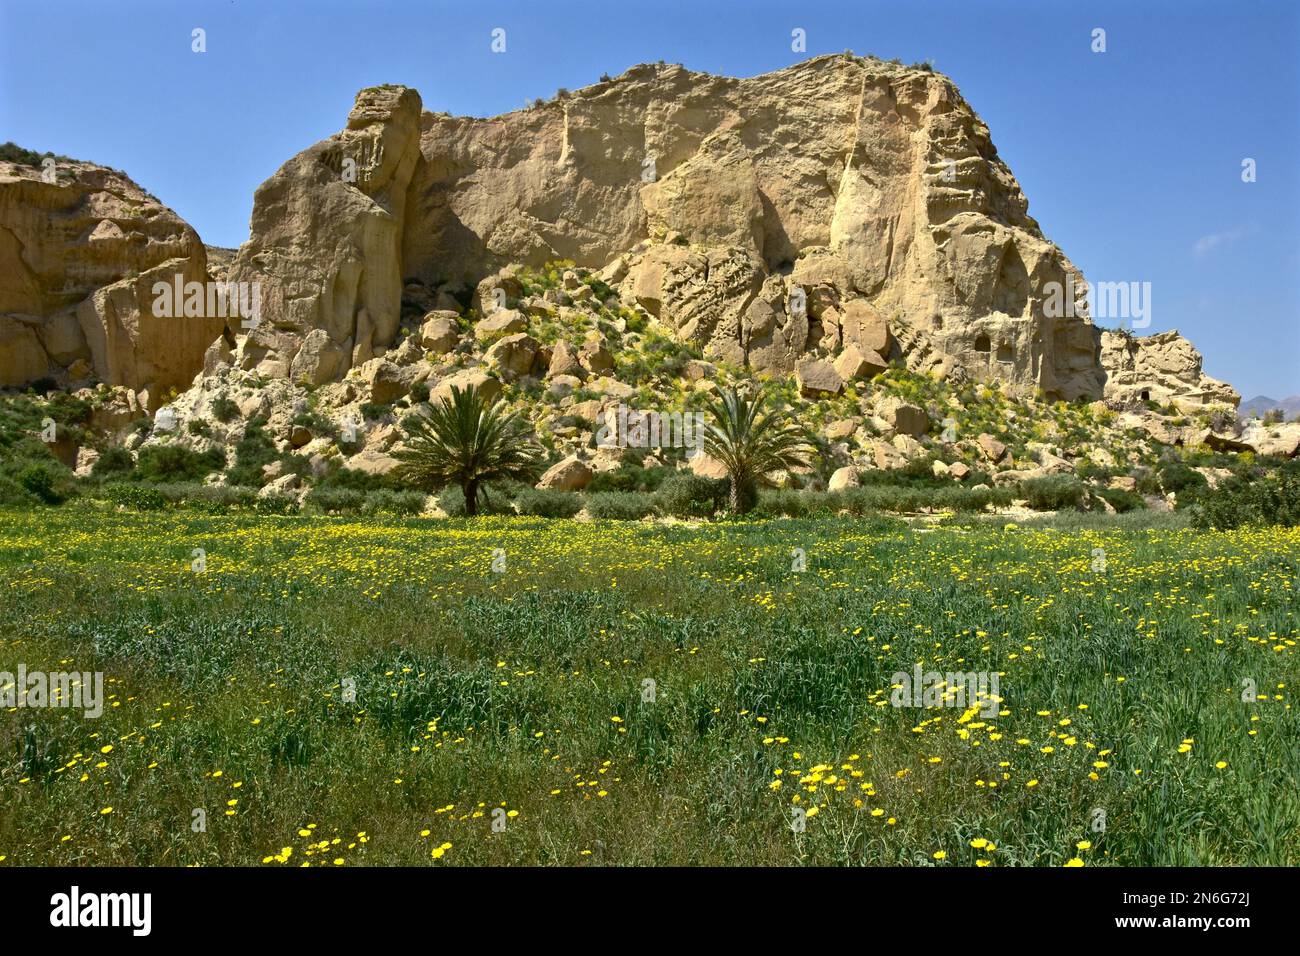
1215, 240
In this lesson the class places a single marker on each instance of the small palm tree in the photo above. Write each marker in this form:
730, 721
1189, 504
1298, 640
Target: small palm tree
467, 441
751, 442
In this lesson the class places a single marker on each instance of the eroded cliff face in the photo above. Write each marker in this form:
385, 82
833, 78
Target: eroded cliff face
81, 247
840, 180
325, 244
833, 217
1163, 368
842, 201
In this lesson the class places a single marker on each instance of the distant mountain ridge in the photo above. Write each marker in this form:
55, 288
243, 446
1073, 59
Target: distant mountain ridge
1261, 405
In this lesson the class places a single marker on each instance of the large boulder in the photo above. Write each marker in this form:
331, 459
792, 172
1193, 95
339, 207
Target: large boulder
1273, 439
595, 357
440, 332
843, 478
513, 355
569, 474
385, 382
1163, 368
500, 322
487, 385
992, 449
853, 363
565, 360
817, 378
903, 417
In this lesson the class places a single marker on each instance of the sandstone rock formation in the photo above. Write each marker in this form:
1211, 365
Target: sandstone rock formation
842, 202
1161, 368
325, 243
81, 247
820, 222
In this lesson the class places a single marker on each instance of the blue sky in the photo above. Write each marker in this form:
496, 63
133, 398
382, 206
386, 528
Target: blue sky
1131, 158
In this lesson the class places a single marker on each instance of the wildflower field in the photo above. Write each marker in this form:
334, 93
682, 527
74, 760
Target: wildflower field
340, 692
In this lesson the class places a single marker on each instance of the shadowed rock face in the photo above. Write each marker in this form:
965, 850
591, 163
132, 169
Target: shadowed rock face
79, 253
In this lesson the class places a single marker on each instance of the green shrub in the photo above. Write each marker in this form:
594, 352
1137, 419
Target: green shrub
867, 499
630, 475
794, 503
176, 463
1122, 501
275, 504
209, 499
114, 462
12, 493
1053, 492
1177, 478
688, 495
389, 501
135, 497
353, 479
324, 500
546, 503
493, 500
224, 409
317, 424
452, 501
46, 481
619, 505
252, 453
1268, 500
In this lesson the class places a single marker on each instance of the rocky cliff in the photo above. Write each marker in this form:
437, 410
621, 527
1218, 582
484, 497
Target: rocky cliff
825, 221
80, 249
1163, 368
842, 202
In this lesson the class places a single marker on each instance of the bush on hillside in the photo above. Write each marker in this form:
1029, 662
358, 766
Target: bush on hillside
1053, 492
619, 505
547, 503
688, 495
176, 463
1269, 500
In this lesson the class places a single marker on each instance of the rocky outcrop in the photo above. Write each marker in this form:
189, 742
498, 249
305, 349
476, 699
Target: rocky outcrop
840, 207
751, 215
81, 248
823, 222
1163, 368
325, 243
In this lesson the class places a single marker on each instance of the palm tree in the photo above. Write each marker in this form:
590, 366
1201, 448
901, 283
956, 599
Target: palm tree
751, 442
465, 440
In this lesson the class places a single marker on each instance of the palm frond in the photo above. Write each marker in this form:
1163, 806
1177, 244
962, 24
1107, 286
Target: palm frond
751, 440
464, 439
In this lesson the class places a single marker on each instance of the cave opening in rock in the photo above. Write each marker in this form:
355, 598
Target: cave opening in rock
982, 344
1006, 353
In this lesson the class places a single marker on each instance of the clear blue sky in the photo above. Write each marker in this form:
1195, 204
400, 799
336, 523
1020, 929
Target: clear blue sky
1131, 159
